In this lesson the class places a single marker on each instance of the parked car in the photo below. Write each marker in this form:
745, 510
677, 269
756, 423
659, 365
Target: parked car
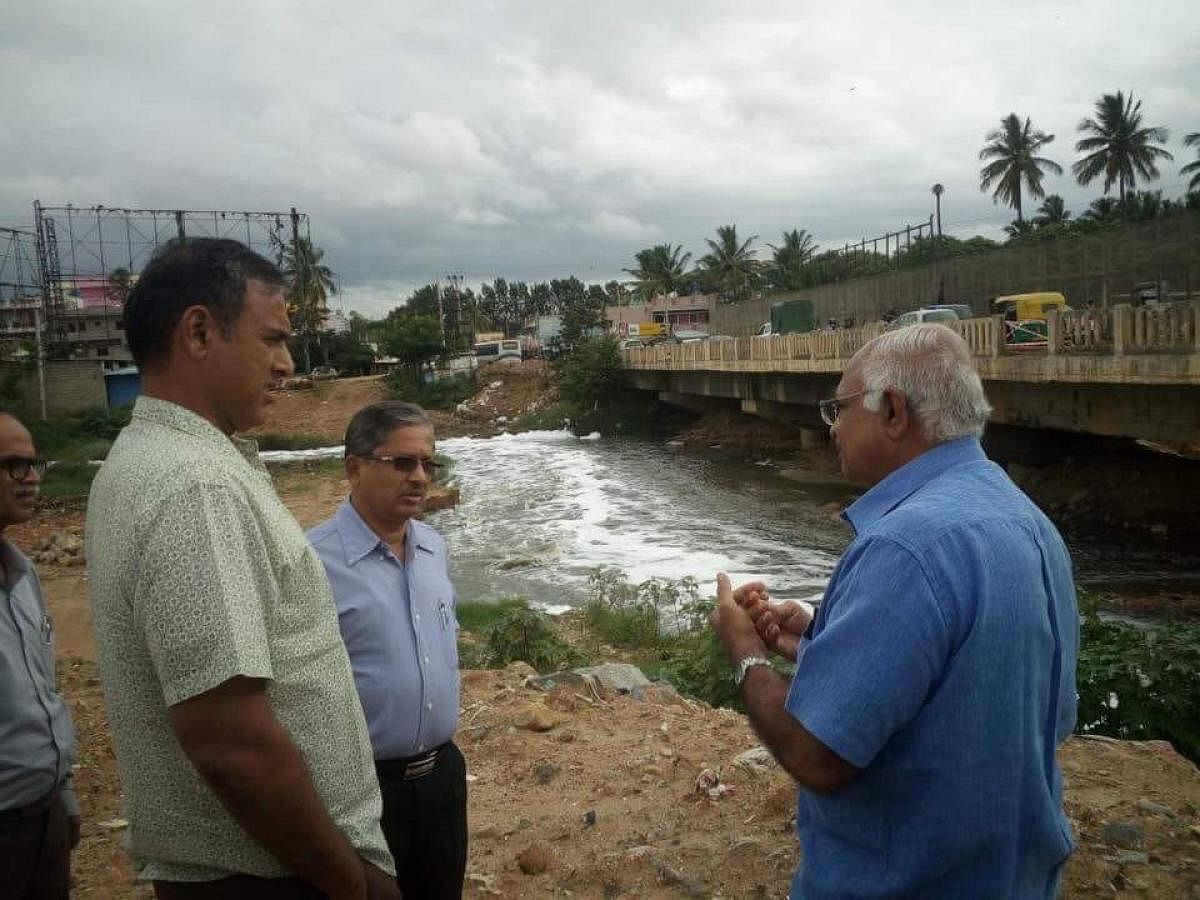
962, 310
507, 350
320, 373
924, 314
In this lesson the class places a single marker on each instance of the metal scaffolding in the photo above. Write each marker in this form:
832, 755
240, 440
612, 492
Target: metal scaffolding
88, 256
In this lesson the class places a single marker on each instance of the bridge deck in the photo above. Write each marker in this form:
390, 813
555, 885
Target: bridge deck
1125, 345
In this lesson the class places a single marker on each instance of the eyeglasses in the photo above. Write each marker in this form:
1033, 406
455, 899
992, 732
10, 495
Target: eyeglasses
407, 465
832, 408
19, 467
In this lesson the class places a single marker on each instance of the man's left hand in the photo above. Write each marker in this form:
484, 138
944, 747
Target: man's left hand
74, 830
733, 625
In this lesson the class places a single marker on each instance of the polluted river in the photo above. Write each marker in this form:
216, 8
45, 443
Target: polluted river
540, 510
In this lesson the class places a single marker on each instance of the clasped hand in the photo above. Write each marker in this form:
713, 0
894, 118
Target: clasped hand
745, 620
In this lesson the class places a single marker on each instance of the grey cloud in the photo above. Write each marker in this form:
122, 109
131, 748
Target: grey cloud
531, 140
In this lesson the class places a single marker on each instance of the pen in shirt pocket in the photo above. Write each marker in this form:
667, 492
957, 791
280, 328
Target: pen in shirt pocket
445, 612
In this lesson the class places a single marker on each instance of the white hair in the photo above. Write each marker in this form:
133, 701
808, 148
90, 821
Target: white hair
931, 365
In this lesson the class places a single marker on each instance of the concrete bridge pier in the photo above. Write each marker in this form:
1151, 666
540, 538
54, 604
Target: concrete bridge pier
812, 430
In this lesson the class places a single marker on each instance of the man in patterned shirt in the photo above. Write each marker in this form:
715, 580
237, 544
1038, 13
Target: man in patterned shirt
243, 752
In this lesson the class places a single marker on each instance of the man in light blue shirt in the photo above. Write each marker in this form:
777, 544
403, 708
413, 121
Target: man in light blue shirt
396, 610
937, 678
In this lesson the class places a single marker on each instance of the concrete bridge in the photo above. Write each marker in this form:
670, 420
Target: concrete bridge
1126, 372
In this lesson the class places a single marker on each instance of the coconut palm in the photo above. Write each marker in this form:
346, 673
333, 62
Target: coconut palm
309, 284
1118, 146
790, 258
1102, 209
1192, 168
1012, 150
730, 263
660, 270
1053, 211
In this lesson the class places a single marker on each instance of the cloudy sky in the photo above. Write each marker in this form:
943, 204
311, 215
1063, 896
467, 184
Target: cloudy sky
539, 139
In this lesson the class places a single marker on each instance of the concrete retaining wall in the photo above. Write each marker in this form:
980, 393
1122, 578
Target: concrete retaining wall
71, 386
1100, 268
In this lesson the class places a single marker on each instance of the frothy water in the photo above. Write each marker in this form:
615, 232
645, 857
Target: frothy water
540, 510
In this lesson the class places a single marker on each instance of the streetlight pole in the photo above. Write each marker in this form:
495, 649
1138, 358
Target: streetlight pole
938, 190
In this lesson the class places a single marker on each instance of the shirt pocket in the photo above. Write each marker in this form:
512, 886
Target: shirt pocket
448, 629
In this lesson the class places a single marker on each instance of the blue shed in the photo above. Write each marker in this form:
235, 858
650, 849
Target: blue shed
122, 386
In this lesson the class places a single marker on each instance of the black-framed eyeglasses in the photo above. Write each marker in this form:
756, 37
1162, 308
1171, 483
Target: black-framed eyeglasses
19, 467
407, 465
832, 408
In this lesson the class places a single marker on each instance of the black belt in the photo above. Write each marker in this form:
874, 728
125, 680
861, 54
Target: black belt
411, 766
18, 814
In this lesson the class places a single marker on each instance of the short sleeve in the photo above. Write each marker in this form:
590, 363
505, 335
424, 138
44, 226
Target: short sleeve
874, 656
203, 587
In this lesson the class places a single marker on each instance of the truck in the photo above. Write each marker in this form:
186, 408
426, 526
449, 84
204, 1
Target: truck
792, 316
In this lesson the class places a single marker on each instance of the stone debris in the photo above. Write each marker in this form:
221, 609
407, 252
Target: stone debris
62, 548
758, 761
709, 782
534, 860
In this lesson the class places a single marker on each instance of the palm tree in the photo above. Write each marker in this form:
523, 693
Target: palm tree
309, 284
1053, 211
1118, 146
1192, 168
660, 270
790, 258
1018, 228
1012, 149
1102, 209
730, 264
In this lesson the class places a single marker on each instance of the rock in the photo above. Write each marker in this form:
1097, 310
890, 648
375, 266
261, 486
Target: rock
521, 670
1132, 858
489, 832
688, 887
619, 677
1154, 809
1126, 835
536, 718
544, 772
589, 818
114, 824
534, 860
759, 761
76, 561
1195, 830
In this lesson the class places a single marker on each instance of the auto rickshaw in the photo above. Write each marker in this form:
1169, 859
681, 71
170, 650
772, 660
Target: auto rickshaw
1025, 317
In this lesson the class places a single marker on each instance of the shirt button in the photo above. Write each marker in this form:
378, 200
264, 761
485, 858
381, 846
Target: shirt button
420, 747
427, 660
417, 616
429, 706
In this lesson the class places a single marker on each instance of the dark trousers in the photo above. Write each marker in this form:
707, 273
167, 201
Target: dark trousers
425, 824
35, 852
237, 887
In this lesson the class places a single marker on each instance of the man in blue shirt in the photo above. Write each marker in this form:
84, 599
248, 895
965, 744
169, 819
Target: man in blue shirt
396, 610
937, 678
39, 812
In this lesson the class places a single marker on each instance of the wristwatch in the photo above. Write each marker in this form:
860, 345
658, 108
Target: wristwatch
745, 665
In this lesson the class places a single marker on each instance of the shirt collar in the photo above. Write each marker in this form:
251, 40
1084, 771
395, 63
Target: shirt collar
16, 563
180, 418
358, 540
902, 483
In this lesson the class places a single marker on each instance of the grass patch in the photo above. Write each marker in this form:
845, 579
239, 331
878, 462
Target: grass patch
272, 441
480, 615
333, 466
79, 438
68, 481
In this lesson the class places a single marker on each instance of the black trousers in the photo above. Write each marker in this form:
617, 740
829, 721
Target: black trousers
237, 887
35, 852
425, 824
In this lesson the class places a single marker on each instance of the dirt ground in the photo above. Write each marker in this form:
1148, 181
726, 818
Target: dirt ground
325, 410
594, 795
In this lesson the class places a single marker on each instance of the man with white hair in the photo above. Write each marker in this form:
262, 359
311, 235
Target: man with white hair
937, 678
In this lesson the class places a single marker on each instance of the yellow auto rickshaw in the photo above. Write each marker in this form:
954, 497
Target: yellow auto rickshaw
1025, 316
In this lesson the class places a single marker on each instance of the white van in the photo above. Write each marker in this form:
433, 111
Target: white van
508, 350
924, 315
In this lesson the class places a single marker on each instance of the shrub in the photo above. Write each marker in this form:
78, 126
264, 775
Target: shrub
443, 393
1140, 683
526, 634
